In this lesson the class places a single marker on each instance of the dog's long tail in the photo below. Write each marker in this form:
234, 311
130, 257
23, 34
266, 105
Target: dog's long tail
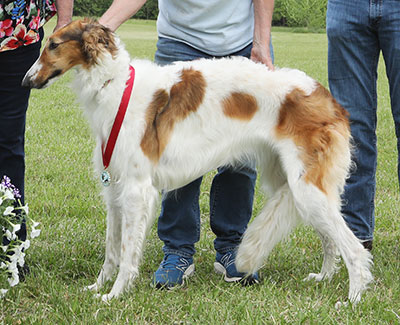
277, 219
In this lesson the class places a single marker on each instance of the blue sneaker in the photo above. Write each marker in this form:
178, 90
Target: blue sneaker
225, 264
173, 270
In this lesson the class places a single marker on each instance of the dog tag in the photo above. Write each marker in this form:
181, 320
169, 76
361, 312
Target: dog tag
105, 178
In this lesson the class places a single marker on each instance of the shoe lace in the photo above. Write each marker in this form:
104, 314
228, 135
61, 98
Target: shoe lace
227, 260
175, 262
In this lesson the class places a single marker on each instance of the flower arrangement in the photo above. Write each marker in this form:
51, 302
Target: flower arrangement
12, 249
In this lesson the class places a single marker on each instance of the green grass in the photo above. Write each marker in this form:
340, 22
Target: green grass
62, 192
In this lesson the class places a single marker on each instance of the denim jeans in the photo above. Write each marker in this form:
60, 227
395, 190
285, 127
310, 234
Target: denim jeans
13, 105
231, 195
358, 30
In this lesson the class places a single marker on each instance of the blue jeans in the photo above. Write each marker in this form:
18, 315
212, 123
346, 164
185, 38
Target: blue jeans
358, 30
231, 195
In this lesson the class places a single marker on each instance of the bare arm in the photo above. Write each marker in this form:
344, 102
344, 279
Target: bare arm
263, 11
119, 12
64, 12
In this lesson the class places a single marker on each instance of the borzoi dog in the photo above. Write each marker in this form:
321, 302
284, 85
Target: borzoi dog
188, 118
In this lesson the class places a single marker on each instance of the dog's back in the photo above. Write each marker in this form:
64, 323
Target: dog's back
221, 111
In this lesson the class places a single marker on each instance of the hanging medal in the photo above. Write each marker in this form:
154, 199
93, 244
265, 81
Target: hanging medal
105, 178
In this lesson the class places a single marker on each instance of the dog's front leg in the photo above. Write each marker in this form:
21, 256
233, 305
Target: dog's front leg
113, 245
138, 213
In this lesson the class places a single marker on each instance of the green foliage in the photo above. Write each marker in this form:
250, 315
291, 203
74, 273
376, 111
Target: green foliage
97, 8
304, 13
279, 19
148, 11
90, 8
292, 13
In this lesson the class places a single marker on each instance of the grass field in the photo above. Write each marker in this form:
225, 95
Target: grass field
62, 193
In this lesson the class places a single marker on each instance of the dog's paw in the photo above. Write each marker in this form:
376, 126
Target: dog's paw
93, 287
104, 298
315, 277
354, 296
107, 297
340, 305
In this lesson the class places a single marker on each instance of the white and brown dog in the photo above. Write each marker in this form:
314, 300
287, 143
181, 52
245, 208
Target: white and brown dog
188, 118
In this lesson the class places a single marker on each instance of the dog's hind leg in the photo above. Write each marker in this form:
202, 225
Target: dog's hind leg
358, 260
316, 209
113, 246
331, 259
138, 212
276, 221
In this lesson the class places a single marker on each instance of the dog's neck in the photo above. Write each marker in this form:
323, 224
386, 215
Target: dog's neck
99, 88
107, 69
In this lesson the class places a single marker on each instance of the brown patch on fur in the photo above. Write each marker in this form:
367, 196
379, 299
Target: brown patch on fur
165, 110
97, 39
319, 126
150, 144
240, 106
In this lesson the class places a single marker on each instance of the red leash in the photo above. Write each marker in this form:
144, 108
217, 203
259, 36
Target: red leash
119, 118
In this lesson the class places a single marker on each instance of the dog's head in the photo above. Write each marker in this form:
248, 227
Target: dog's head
82, 42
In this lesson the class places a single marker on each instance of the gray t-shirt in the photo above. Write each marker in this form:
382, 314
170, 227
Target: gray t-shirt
216, 27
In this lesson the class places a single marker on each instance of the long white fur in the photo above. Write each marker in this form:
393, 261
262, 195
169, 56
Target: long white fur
203, 141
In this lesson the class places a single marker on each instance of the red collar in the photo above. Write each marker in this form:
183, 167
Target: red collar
119, 118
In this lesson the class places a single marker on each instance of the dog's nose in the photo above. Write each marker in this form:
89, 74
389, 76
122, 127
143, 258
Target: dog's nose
27, 82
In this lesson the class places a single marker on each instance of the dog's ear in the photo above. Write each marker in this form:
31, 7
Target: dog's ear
96, 40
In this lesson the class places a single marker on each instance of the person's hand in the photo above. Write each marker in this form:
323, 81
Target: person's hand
261, 54
60, 24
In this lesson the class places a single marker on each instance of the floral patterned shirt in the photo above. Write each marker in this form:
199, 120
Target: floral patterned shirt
20, 21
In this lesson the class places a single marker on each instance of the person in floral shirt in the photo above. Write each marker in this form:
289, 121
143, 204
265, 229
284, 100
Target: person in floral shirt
21, 34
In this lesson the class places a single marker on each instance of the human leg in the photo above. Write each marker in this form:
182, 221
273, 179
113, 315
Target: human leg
389, 38
13, 105
353, 53
179, 220
231, 202
231, 199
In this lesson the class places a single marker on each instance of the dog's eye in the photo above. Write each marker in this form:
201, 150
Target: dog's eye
53, 46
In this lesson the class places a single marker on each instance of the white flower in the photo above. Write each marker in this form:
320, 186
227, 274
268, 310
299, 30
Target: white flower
8, 195
14, 280
25, 209
10, 236
35, 233
16, 228
4, 248
18, 256
14, 257
12, 266
8, 211
26, 244
3, 265
1, 200
3, 293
